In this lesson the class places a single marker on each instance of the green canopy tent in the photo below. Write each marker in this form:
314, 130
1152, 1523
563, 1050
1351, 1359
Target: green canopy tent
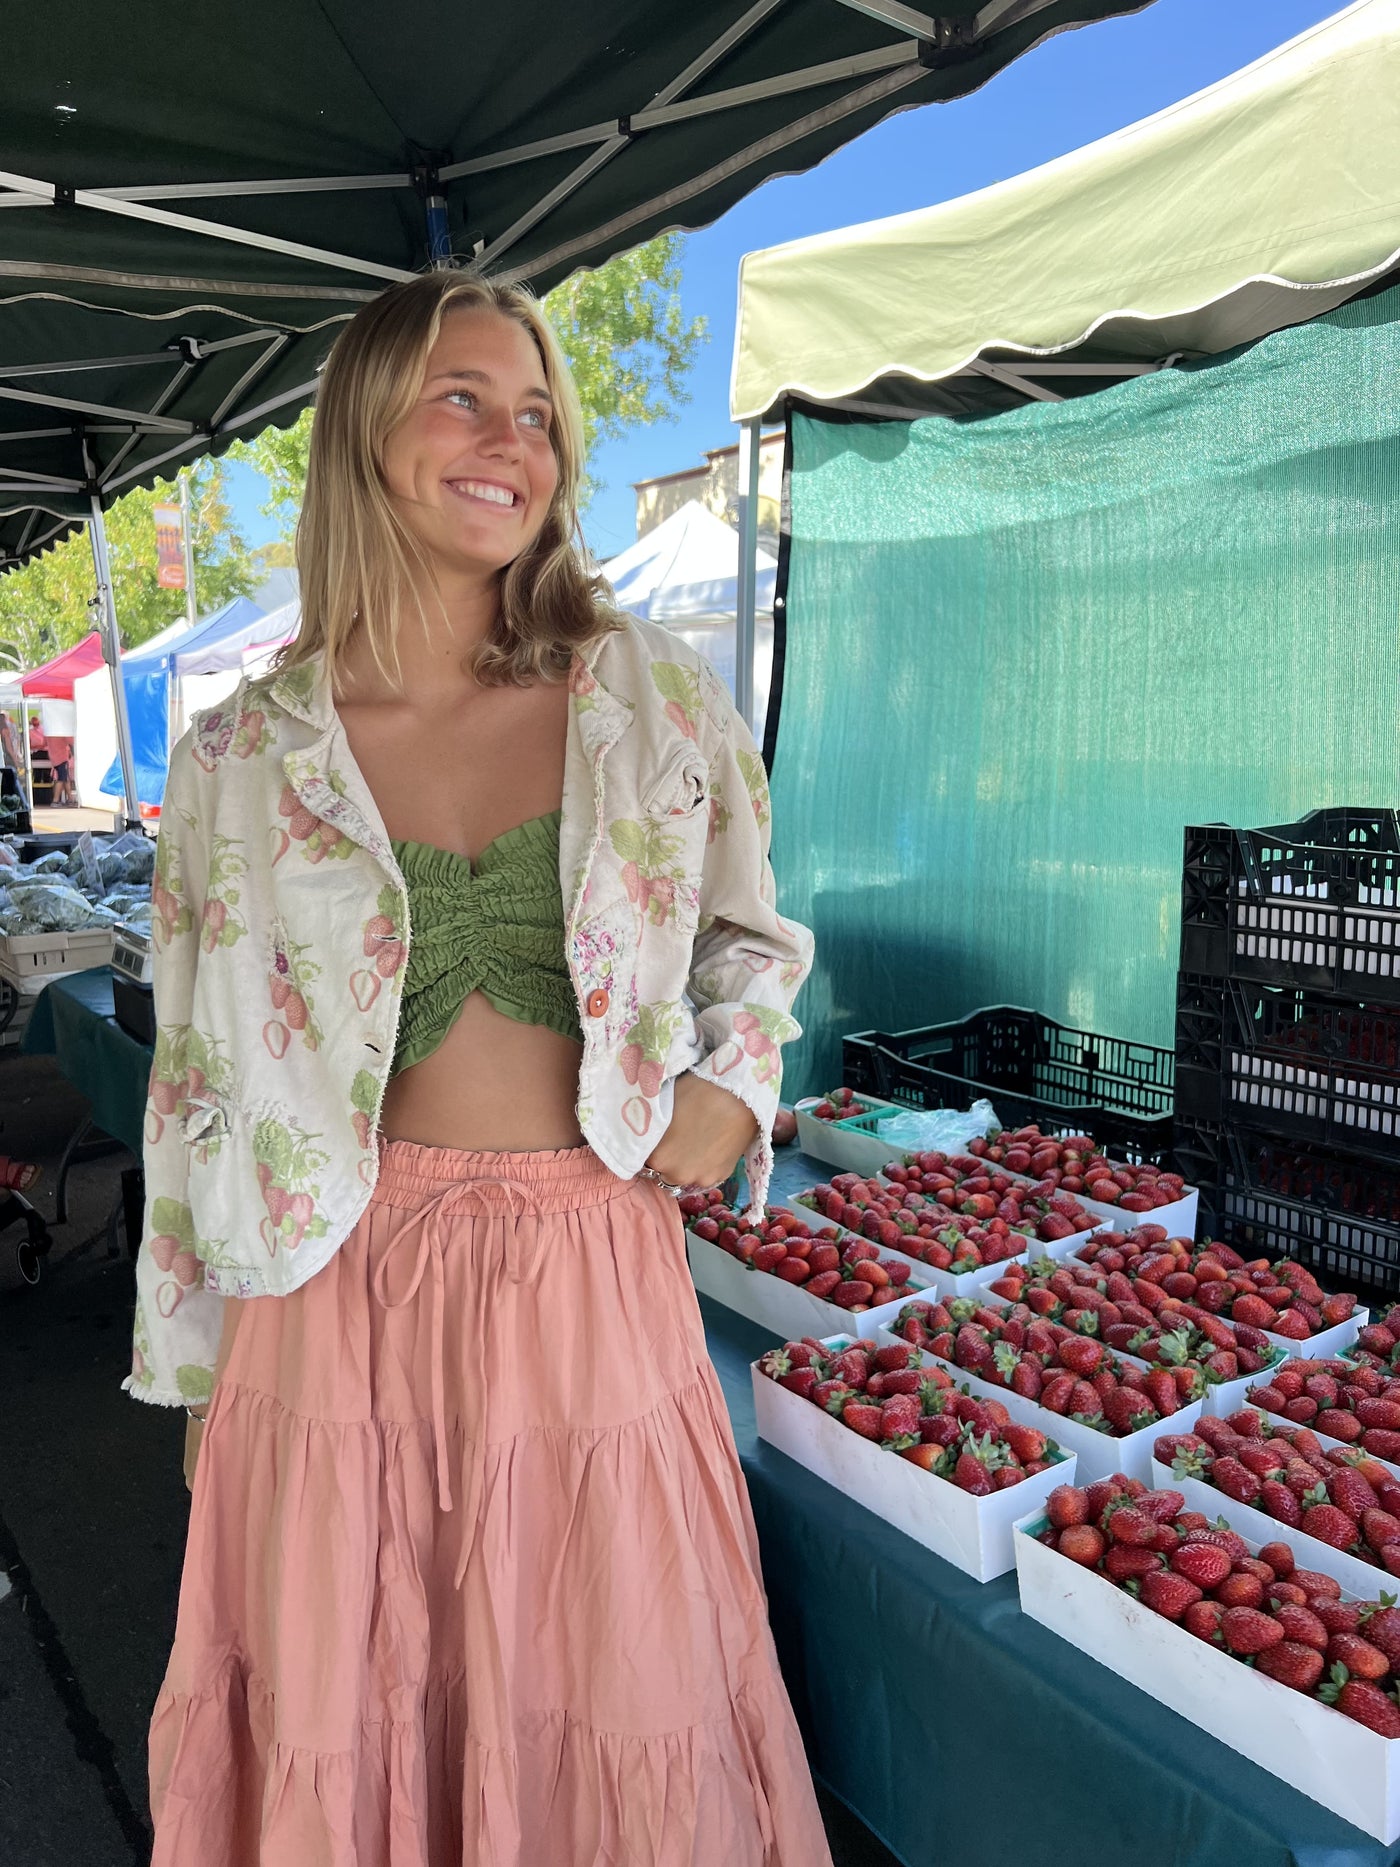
186, 215
1264, 201
1141, 578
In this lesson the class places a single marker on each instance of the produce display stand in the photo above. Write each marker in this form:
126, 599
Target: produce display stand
955, 1726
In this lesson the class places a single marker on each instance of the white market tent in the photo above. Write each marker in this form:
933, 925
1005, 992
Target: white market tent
1266, 200
685, 573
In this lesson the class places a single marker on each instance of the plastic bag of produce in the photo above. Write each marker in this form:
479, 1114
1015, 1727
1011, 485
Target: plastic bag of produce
54, 863
57, 908
917, 1131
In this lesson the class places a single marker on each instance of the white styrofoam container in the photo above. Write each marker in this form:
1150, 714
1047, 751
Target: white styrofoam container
1179, 1218
848, 1150
1099, 1454
785, 1308
965, 1284
972, 1533
1323, 1439
29, 960
1257, 1527
1224, 1397
1331, 1758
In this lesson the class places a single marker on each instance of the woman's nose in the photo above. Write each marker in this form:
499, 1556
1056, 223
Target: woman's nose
498, 428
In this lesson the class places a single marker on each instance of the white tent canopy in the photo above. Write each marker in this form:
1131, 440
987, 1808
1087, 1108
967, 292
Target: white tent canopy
686, 569
1266, 200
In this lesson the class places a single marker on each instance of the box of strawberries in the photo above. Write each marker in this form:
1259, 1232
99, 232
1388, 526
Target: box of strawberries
894, 1434
1261, 1644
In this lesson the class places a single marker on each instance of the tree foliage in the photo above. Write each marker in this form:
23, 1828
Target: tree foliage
629, 344
43, 605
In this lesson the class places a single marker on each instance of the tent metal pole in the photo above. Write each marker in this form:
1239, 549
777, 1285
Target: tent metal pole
111, 654
744, 624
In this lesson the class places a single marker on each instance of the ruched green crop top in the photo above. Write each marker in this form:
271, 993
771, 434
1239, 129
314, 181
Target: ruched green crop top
496, 928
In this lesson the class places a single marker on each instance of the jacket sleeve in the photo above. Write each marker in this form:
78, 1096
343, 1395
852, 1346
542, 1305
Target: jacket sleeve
178, 1321
748, 961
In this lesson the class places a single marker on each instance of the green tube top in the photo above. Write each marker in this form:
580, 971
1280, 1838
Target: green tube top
497, 929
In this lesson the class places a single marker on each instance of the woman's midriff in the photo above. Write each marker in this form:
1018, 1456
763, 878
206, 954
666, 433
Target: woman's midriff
492, 1084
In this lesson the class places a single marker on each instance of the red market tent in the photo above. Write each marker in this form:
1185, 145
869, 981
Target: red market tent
54, 681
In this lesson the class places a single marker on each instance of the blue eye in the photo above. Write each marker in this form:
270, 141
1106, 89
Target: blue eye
461, 395
538, 416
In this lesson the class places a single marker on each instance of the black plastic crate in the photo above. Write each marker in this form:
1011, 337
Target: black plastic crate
1272, 1196
1314, 903
1288, 1060
1033, 1070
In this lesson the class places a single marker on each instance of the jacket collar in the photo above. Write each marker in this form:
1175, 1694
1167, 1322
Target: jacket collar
304, 691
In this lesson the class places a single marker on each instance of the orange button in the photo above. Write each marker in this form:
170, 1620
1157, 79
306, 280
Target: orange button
596, 1003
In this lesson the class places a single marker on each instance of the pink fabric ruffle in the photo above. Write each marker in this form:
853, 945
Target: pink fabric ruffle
599, 1689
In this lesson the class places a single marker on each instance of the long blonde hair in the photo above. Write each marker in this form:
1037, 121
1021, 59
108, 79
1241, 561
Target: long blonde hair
356, 557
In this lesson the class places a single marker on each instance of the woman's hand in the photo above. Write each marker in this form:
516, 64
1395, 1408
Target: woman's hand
710, 1129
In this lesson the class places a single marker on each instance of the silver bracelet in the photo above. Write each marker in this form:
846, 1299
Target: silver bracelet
650, 1173
201, 1417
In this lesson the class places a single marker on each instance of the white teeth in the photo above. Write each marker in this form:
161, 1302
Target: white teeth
482, 489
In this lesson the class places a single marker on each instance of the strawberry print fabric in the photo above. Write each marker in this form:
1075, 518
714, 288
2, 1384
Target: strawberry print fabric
281, 931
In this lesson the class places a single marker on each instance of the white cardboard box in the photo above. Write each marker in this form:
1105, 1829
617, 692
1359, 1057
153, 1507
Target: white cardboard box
1257, 1527
785, 1308
972, 1533
847, 1150
1099, 1454
1331, 1758
1179, 1218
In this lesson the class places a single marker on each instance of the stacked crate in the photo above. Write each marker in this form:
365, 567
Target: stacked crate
1288, 1040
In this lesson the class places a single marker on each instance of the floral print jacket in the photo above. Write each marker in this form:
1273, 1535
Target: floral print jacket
280, 931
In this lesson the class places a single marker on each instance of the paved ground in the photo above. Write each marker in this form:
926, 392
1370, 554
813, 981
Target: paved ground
93, 1513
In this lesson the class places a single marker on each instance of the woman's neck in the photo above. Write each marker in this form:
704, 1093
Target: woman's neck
436, 648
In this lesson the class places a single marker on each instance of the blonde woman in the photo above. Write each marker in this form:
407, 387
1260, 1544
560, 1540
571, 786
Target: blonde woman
471, 1574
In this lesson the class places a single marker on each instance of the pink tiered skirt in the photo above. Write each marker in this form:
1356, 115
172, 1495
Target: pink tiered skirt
471, 1578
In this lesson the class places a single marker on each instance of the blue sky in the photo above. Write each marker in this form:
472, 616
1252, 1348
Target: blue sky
1078, 87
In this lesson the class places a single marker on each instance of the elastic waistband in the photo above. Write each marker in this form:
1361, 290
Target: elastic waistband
561, 1179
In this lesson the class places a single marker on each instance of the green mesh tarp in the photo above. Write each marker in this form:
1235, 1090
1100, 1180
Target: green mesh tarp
1024, 652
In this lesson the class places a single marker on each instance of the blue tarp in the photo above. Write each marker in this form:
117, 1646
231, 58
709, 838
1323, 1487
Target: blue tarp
146, 675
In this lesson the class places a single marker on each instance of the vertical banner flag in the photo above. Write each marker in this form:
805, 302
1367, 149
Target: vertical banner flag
170, 548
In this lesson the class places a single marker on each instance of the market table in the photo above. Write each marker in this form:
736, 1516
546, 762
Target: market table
73, 1021
963, 1733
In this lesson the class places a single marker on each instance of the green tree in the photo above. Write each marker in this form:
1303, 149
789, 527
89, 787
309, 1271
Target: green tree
43, 605
629, 345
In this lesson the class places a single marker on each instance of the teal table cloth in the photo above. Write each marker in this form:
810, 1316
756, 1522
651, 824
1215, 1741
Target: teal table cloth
960, 1731
72, 1021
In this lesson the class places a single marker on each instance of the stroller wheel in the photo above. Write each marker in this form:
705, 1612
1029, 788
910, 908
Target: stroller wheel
30, 1263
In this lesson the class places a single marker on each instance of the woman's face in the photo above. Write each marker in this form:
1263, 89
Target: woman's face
471, 468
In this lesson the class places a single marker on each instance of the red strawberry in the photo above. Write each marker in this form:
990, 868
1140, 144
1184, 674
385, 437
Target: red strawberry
1229, 1476
1280, 1502
1122, 1562
767, 1257
1279, 1558
1246, 1630
1125, 1523
1338, 1617
1350, 1492
1167, 1594
1329, 1525
1368, 1705
1067, 1505
1162, 1506
899, 1418
1380, 1444
1291, 1664
1203, 1619
1027, 1444
1300, 1623
864, 1417
970, 1474
1327, 1586
1361, 1659
1240, 1590
1202, 1564
801, 1381
1082, 1543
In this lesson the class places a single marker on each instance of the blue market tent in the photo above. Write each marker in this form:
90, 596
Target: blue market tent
147, 673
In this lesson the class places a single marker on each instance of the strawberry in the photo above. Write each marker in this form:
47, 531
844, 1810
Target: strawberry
970, 1474
1280, 1503
1025, 1442
1279, 1558
1291, 1663
894, 1357
1350, 1492
1246, 1630
865, 1418
801, 1381
1067, 1505
1125, 1523
1338, 1617
1102, 1492
899, 1418
1200, 1563
1162, 1506
1367, 1704
851, 1365
1317, 1584
1381, 1444
1121, 1562
1361, 1658
832, 1395
1229, 1476
1301, 1624
1336, 1423
1203, 1619
1384, 1413
1240, 1590
1329, 1525
1082, 1543
1167, 1594
1234, 1545
768, 1257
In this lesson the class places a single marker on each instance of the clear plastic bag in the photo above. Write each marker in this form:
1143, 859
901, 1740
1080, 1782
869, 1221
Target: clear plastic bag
917, 1131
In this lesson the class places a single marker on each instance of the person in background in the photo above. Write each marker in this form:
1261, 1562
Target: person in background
41, 769
61, 758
